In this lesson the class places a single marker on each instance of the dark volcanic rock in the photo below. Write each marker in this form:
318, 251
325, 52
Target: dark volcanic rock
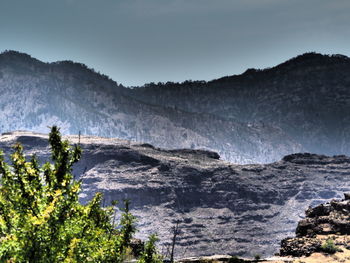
331, 218
298, 247
221, 208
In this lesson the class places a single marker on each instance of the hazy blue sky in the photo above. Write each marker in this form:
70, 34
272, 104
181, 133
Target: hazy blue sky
139, 41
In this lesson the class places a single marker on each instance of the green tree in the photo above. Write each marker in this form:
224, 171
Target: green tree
41, 219
149, 255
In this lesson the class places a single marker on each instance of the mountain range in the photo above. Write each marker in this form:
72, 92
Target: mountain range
307, 97
301, 105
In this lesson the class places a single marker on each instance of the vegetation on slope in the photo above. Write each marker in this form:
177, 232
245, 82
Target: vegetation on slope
42, 220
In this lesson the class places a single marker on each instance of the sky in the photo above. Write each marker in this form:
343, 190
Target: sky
141, 41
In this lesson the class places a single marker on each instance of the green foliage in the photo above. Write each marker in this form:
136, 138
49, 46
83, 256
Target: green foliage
149, 255
329, 247
41, 219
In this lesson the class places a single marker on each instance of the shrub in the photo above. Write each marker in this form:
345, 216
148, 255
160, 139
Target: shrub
149, 255
329, 247
41, 219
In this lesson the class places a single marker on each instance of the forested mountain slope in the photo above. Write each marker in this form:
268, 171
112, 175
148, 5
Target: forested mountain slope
35, 95
307, 97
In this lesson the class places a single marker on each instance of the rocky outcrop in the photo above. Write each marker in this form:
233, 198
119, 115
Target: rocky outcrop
325, 221
221, 207
298, 247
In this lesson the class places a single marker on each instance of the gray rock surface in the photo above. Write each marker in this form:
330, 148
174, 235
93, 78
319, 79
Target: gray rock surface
222, 208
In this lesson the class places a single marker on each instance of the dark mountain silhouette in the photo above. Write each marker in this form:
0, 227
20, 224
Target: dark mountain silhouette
307, 97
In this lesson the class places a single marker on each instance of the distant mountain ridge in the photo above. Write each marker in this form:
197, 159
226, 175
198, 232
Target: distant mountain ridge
307, 97
259, 116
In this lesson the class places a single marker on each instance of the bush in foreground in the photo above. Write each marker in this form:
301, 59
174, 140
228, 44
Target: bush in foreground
329, 247
41, 219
